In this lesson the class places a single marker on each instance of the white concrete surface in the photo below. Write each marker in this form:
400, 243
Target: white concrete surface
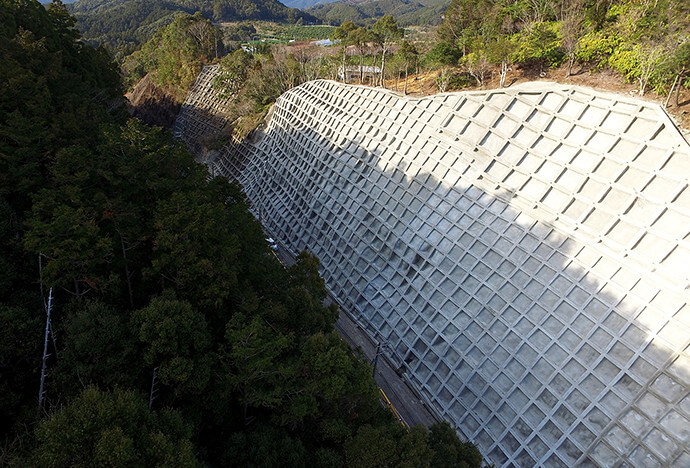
525, 251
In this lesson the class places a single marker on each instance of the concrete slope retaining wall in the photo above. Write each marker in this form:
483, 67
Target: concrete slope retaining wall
203, 117
523, 251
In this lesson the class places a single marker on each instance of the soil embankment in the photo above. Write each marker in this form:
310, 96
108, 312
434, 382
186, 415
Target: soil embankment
152, 104
424, 84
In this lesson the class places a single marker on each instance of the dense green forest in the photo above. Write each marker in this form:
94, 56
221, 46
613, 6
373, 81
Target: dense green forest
303, 4
122, 25
176, 337
643, 42
646, 42
175, 54
406, 12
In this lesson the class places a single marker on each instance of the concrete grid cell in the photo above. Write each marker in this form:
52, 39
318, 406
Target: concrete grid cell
522, 250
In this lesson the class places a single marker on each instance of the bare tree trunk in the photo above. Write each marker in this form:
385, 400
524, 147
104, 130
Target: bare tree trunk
375, 77
504, 72
670, 93
680, 83
45, 352
361, 66
571, 60
77, 290
154, 391
383, 68
344, 69
407, 69
648, 59
441, 80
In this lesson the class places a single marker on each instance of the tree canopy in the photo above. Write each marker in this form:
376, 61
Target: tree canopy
639, 40
176, 337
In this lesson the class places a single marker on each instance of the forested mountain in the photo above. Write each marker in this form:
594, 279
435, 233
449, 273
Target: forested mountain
123, 24
302, 4
406, 12
175, 337
175, 54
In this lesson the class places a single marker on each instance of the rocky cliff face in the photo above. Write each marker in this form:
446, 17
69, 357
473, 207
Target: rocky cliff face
152, 104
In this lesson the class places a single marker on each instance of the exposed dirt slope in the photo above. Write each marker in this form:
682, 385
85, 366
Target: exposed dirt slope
153, 105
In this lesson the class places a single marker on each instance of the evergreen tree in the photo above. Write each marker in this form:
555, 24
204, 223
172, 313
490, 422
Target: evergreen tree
112, 429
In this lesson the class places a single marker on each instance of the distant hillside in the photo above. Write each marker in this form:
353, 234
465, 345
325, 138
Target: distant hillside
123, 24
304, 4
406, 12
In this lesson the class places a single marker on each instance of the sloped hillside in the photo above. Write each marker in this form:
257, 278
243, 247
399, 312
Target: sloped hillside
406, 12
301, 4
127, 23
152, 104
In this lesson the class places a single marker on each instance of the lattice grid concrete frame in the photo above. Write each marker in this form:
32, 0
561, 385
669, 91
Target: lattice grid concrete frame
524, 251
203, 115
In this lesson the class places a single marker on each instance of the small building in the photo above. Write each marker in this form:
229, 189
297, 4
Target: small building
326, 42
352, 74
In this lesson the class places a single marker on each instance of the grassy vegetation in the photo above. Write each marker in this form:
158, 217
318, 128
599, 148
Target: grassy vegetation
300, 33
284, 33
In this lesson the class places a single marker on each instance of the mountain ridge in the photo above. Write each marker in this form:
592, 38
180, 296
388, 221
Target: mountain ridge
124, 24
406, 12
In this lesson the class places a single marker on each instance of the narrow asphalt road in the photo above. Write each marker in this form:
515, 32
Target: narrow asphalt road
410, 408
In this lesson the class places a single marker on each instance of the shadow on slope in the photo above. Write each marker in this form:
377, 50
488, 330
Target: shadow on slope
505, 324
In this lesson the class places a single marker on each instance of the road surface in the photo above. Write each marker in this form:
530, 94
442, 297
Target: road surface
411, 409
405, 400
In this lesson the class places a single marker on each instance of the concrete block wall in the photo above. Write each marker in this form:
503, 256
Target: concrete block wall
204, 113
523, 251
